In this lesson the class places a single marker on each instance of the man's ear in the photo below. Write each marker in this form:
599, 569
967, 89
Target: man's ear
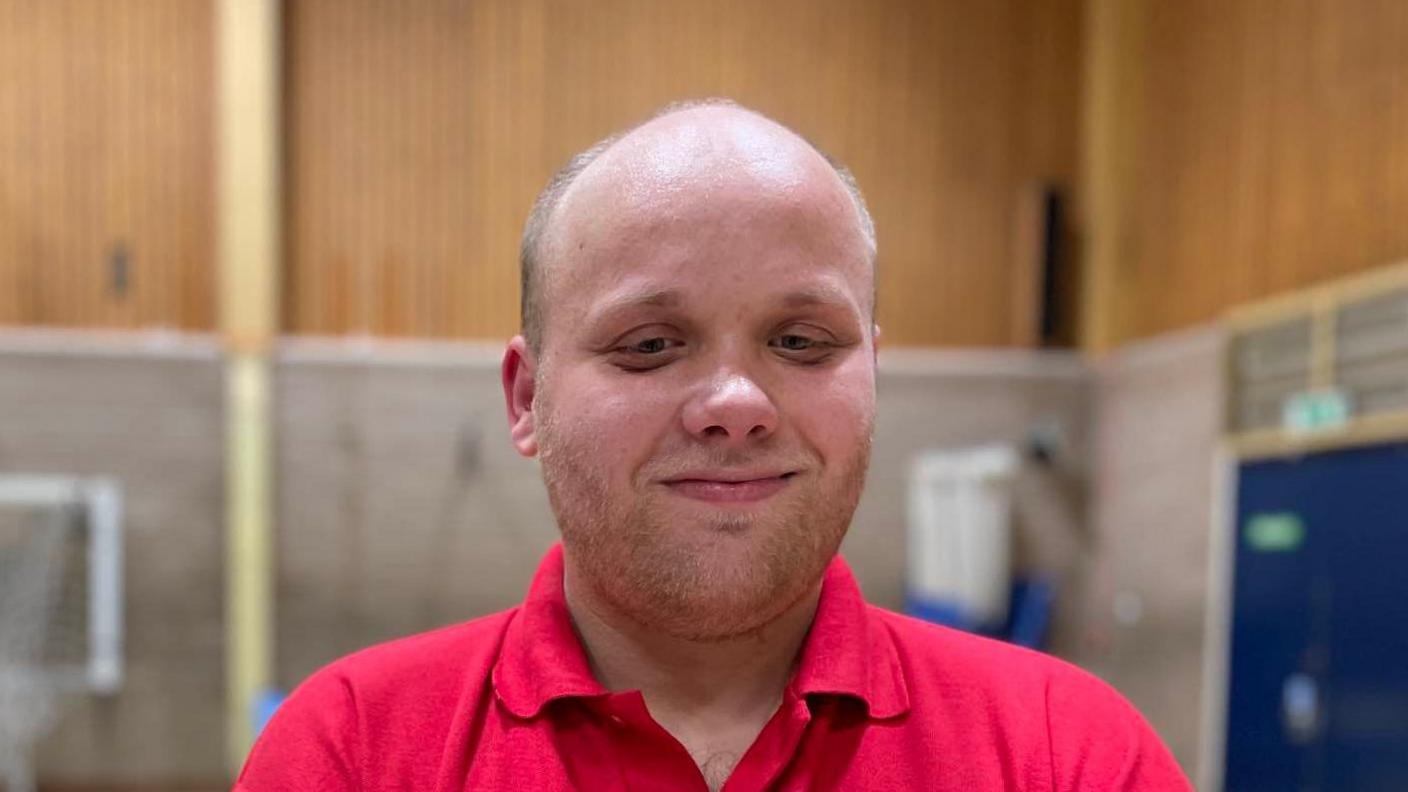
875, 342
518, 369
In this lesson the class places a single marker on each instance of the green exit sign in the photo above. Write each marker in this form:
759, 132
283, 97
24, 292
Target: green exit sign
1276, 532
1315, 411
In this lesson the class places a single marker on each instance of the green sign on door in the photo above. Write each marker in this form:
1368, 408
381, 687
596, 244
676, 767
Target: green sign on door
1277, 532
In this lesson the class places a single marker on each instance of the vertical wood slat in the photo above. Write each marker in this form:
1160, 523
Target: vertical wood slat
1115, 42
105, 139
1280, 160
9, 297
943, 109
1274, 157
528, 65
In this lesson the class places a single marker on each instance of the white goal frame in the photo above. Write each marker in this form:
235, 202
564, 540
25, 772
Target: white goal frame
100, 500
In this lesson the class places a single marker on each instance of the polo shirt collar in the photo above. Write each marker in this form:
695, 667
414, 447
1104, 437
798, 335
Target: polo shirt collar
846, 652
542, 658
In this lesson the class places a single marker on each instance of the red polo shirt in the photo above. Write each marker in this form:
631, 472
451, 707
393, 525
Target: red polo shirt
879, 702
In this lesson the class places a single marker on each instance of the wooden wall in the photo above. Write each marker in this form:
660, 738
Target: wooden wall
1267, 147
421, 132
106, 153
1264, 146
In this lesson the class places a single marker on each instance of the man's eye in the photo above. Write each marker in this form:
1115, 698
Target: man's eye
802, 348
646, 354
649, 346
795, 343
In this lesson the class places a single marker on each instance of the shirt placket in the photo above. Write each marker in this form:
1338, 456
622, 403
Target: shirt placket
649, 757
774, 748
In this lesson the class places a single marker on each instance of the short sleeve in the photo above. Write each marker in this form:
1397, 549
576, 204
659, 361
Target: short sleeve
1099, 741
309, 743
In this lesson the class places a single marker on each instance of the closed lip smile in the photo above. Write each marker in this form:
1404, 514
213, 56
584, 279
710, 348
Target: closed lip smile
729, 486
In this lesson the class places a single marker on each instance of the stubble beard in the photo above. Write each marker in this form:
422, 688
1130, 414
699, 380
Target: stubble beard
727, 576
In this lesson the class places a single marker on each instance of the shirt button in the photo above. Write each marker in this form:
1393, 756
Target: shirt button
617, 722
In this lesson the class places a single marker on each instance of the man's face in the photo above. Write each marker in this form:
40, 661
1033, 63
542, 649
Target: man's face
705, 390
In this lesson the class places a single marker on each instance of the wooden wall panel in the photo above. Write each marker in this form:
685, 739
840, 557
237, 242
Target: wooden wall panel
421, 132
105, 145
1273, 154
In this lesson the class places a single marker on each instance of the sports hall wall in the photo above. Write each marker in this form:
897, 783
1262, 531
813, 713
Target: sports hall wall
1213, 153
418, 134
1263, 136
402, 507
1237, 150
107, 160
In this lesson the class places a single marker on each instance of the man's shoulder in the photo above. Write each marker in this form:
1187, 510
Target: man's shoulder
435, 657
427, 671
930, 647
1092, 736
960, 668
354, 715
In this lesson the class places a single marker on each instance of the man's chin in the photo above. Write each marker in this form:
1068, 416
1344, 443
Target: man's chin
715, 530
725, 585
692, 519
715, 621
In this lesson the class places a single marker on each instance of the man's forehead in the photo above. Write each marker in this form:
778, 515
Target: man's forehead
711, 172
694, 155
699, 145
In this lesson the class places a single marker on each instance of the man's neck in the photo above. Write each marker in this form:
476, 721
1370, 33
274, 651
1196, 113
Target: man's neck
713, 696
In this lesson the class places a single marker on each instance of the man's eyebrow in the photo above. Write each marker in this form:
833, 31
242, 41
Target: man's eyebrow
822, 296
635, 298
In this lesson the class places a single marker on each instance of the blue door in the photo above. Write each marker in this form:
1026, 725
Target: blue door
1318, 696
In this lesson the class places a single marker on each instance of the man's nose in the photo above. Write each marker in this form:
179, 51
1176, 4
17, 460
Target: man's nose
733, 409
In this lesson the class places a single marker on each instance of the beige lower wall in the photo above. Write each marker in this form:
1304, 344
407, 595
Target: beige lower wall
1155, 439
402, 506
146, 411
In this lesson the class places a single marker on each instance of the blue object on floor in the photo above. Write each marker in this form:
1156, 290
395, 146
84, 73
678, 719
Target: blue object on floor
265, 704
945, 612
1032, 602
1028, 620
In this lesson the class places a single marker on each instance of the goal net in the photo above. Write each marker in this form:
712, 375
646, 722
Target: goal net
60, 605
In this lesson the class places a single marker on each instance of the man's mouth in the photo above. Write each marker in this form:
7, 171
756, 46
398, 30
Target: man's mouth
730, 486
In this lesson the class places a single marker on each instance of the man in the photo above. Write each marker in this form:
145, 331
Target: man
697, 376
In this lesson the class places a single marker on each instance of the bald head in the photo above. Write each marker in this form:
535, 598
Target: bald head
712, 151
